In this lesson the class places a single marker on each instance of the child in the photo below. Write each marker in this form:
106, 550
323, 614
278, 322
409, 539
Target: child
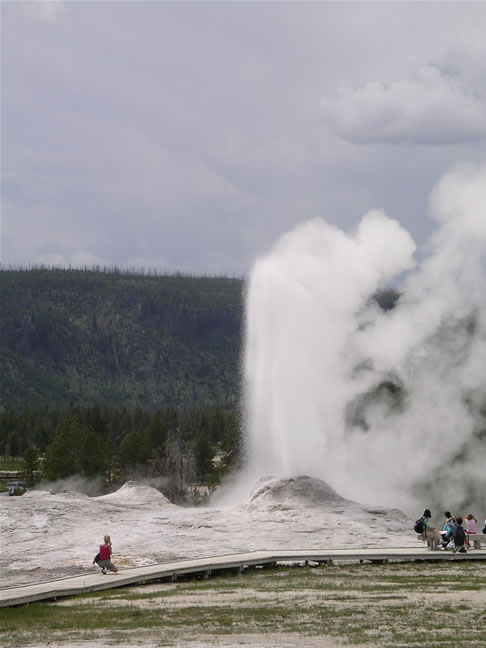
470, 523
460, 537
470, 526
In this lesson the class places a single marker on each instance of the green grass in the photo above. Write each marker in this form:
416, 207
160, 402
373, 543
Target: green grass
393, 606
15, 463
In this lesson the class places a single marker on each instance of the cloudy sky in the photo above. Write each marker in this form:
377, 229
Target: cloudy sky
189, 136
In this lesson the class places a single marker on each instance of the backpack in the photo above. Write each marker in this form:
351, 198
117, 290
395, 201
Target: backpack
460, 537
418, 527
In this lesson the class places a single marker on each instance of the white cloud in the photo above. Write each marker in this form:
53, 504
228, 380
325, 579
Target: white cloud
46, 10
85, 258
430, 107
80, 259
143, 264
51, 259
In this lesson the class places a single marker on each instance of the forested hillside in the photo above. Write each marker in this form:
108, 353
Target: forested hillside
122, 375
89, 337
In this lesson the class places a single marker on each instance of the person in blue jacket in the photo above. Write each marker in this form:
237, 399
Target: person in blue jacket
448, 530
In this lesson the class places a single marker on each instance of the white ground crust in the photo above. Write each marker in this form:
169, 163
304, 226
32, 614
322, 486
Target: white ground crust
46, 535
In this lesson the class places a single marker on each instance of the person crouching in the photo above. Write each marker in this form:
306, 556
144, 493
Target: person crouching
105, 556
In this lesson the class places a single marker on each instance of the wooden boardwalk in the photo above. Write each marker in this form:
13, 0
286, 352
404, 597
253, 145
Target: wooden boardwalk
91, 582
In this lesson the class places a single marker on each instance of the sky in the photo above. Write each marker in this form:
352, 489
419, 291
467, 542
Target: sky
189, 136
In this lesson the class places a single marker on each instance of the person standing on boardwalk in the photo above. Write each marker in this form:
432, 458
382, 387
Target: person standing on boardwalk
105, 556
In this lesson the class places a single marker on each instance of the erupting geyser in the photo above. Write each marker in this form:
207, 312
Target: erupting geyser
385, 406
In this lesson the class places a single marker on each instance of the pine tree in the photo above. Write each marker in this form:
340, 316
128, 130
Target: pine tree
203, 451
30, 467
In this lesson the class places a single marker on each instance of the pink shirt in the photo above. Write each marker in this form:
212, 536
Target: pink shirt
105, 552
471, 526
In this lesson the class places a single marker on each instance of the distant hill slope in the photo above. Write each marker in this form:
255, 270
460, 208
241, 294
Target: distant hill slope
142, 341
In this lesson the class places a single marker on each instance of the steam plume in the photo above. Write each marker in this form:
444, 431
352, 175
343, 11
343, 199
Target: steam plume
387, 407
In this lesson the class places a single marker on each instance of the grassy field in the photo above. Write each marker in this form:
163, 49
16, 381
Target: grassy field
13, 463
393, 605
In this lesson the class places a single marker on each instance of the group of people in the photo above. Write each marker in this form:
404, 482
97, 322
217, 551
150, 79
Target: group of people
453, 535
103, 557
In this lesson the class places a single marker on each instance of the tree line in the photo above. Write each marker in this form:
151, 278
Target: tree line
116, 444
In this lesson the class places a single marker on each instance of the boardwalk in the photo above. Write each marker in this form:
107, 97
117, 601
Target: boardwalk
170, 571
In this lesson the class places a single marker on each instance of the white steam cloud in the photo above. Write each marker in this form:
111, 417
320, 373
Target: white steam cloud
387, 407
76, 483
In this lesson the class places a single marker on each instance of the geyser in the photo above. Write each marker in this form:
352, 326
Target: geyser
387, 407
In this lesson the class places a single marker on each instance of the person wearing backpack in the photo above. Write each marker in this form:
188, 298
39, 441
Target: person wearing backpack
430, 533
460, 537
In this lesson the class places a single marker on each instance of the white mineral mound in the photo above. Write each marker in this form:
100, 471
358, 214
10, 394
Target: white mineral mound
133, 492
307, 496
294, 491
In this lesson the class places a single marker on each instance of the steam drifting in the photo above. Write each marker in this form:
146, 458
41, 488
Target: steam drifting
386, 406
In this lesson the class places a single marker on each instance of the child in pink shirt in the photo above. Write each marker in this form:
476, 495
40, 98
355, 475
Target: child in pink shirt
470, 523
470, 526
